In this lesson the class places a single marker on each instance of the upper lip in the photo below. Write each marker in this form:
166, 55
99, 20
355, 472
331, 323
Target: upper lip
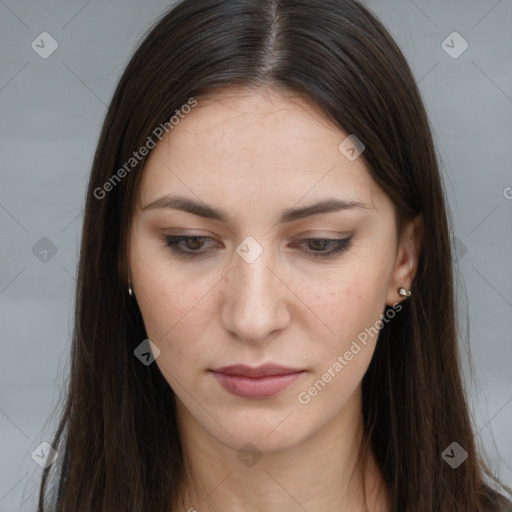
259, 371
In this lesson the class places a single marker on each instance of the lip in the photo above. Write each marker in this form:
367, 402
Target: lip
256, 383
258, 371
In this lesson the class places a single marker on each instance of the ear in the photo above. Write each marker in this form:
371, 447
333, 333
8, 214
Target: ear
407, 257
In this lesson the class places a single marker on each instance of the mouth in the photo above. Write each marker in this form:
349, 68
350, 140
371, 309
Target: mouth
256, 383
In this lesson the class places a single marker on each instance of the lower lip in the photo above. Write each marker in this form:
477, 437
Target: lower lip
256, 387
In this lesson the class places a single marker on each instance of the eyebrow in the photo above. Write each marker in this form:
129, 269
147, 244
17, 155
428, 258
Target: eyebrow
289, 215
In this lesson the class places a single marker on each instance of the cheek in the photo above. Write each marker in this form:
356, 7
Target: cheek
349, 304
176, 310
169, 309
165, 295
171, 323
342, 353
349, 301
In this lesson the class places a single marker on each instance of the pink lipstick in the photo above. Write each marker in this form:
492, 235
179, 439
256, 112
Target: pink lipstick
256, 383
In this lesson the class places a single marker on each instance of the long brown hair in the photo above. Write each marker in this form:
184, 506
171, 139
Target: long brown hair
118, 442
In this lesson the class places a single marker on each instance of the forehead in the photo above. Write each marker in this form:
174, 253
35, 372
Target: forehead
262, 148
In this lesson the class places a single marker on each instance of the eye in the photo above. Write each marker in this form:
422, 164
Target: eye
194, 243
318, 247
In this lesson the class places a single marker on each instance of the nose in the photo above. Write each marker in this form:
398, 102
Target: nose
256, 299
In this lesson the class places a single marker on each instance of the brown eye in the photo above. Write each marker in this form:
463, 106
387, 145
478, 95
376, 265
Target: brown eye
325, 247
184, 245
192, 244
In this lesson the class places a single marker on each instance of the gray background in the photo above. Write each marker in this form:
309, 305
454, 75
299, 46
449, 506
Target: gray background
51, 114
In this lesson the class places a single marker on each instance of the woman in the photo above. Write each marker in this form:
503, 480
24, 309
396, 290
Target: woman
265, 313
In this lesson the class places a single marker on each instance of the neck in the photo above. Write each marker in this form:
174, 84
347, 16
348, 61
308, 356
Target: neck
320, 473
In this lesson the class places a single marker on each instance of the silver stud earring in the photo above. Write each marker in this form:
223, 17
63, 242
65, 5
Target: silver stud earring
130, 291
405, 293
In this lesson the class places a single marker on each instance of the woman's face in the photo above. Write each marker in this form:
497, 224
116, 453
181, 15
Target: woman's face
258, 287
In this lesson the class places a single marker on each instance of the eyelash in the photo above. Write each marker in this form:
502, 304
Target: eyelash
340, 245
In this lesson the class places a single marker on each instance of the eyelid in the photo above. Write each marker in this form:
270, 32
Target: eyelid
336, 235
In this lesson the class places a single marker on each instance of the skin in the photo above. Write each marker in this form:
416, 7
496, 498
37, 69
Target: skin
254, 153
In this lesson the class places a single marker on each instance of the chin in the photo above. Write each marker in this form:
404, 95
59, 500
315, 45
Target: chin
268, 433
